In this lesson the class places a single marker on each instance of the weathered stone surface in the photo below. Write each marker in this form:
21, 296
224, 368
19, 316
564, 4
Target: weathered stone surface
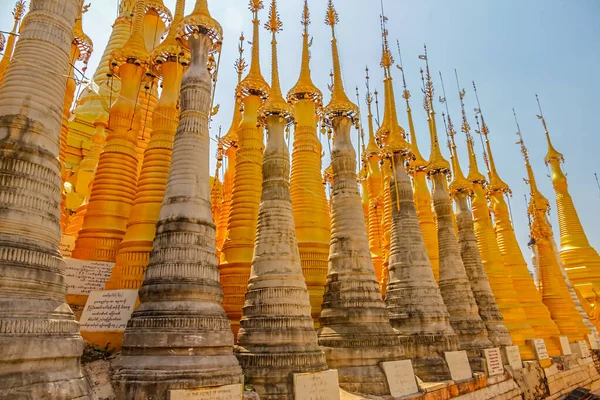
454, 283
531, 381
417, 310
355, 330
488, 308
179, 337
39, 336
277, 336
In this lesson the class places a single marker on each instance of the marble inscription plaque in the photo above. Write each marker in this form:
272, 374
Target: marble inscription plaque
539, 348
108, 310
493, 359
585, 350
458, 364
592, 341
400, 377
514, 357
228, 392
565, 347
85, 276
317, 386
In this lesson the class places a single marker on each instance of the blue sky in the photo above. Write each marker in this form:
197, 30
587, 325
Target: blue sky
512, 49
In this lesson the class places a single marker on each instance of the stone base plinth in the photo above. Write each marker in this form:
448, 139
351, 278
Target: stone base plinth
426, 353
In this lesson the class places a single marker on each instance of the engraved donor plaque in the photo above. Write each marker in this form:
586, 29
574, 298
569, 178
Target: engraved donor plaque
228, 392
514, 357
400, 377
584, 349
565, 347
458, 364
493, 359
85, 276
592, 341
317, 386
539, 348
108, 310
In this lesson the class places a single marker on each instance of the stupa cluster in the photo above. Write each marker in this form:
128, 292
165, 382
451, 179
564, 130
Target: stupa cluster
257, 270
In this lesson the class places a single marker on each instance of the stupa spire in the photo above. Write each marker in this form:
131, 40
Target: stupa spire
581, 260
105, 223
339, 105
417, 161
305, 87
459, 182
552, 153
167, 60
375, 188
309, 202
471, 257
538, 315
391, 134
417, 167
437, 162
503, 287
353, 316
496, 183
179, 320
277, 302
41, 345
254, 83
229, 144
238, 247
553, 288
411, 281
17, 13
454, 283
275, 104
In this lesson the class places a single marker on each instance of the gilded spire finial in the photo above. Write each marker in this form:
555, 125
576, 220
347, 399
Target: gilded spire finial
80, 39
339, 105
474, 174
459, 182
417, 161
254, 83
19, 11
496, 184
134, 51
437, 162
275, 105
372, 147
537, 199
305, 88
170, 49
391, 135
240, 64
552, 154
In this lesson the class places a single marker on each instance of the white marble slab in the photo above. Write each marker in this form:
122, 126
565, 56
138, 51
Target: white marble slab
539, 349
228, 392
565, 347
400, 377
458, 362
108, 310
593, 341
493, 359
85, 276
317, 386
513, 357
585, 350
